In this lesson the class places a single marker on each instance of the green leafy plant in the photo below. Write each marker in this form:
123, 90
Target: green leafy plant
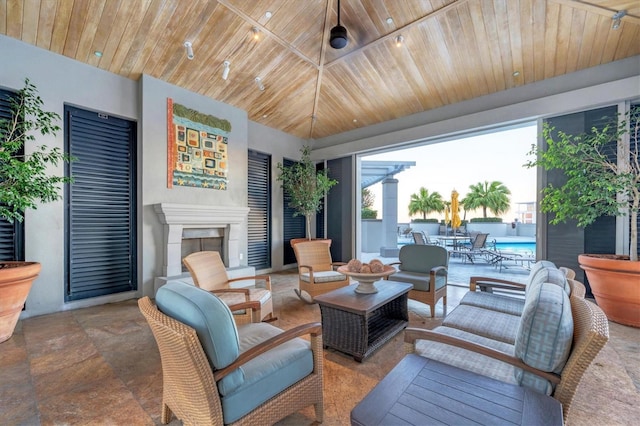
367, 199
597, 183
23, 176
306, 186
424, 202
492, 196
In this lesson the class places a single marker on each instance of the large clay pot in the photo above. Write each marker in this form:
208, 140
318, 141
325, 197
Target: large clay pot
615, 283
15, 282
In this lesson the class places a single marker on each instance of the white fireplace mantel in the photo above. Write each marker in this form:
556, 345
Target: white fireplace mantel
176, 217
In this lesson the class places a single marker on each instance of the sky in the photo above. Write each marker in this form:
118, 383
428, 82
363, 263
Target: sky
459, 163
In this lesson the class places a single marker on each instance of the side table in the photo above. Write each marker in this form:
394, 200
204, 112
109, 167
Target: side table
421, 391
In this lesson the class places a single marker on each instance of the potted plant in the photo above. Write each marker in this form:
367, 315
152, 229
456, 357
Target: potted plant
306, 186
598, 185
24, 181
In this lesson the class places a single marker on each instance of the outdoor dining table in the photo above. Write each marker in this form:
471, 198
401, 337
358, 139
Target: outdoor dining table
455, 240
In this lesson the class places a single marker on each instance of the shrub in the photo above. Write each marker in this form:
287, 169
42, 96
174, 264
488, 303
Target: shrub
486, 220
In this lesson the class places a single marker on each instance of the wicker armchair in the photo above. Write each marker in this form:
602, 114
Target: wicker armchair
208, 272
203, 382
316, 270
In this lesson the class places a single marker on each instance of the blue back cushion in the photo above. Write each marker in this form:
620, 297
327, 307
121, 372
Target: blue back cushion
422, 258
212, 320
545, 334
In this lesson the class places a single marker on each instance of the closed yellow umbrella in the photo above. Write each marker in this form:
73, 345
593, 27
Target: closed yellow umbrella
455, 215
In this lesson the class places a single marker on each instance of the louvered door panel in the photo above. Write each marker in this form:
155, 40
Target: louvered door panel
259, 200
565, 241
101, 224
294, 227
11, 234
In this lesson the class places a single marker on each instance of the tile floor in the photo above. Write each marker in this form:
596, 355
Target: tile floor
101, 366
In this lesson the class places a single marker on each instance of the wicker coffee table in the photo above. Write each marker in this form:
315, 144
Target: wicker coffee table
358, 324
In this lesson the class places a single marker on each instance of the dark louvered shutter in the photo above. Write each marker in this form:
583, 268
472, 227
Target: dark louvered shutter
340, 209
565, 241
320, 233
259, 226
101, 205
11, 234
294, 227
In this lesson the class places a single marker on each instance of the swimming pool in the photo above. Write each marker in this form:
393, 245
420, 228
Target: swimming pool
514, 246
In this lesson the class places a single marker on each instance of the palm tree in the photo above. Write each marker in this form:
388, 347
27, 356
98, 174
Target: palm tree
493, 196
424, 203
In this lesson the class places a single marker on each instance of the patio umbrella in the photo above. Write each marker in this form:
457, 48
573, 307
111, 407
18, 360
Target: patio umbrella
455, 215
446, 219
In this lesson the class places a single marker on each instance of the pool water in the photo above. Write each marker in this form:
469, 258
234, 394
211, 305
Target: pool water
526, 247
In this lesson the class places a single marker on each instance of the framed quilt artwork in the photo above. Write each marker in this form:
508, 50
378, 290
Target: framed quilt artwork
197, 148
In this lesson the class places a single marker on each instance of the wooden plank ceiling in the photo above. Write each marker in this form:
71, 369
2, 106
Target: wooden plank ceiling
452, 50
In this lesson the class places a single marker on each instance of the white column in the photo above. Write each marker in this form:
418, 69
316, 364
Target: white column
389, 218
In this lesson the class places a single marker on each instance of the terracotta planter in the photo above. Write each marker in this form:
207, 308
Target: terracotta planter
15, 283
615, 283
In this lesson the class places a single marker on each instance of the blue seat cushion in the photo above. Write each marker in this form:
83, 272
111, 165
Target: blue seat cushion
212, 321
419, 280
495, 302
268, 374
484, 322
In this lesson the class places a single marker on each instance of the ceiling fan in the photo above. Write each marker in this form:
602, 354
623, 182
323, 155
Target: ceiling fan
338, 38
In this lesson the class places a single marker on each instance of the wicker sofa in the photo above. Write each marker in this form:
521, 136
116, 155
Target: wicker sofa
544, 340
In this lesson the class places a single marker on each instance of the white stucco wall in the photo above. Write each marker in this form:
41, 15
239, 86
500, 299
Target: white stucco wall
154, 94
59, 81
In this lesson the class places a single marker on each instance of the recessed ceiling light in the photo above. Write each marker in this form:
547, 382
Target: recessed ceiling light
264, 115
98, 53
268, 14
355, 120
389, 20
516, 73
256, 33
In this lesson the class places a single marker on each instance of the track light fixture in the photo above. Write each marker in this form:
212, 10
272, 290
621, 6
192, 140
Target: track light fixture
399, 41
189, 47
256, 33
259, 83
617, 19
225, 69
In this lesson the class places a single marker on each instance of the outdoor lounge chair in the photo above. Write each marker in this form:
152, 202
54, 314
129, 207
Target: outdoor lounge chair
215, 373
421, 237
209, 273
498, 258
475, 248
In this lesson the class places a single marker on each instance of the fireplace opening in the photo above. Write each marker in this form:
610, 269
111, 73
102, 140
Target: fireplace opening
195, 240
